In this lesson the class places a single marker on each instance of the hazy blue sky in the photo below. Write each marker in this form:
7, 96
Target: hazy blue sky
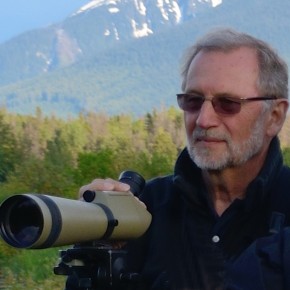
17, 16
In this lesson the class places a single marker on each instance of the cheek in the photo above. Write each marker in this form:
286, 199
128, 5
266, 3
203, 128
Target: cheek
246, 128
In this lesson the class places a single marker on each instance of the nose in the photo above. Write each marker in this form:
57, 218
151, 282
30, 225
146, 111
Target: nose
207, 117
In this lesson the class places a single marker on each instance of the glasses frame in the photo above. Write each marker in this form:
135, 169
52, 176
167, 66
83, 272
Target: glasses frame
219, 110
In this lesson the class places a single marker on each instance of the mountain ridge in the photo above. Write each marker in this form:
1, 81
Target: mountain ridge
66, 69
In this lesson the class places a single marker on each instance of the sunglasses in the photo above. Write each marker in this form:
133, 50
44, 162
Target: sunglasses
222, 105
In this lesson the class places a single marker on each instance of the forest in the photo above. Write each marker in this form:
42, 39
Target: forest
50, 155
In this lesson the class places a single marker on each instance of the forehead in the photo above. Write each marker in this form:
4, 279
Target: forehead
237, 69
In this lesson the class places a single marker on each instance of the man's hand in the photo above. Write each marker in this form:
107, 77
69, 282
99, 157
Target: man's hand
104, 185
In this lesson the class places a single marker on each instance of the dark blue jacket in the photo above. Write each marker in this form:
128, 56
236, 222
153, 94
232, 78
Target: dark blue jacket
189, 247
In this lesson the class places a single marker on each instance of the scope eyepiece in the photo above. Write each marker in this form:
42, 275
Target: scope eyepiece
134, 179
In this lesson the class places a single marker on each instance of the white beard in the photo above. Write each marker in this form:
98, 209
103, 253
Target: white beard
236, 153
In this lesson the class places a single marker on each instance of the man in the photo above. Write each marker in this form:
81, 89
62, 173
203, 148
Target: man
228, 191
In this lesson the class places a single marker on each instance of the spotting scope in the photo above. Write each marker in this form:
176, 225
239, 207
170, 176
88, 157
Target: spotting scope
39, 221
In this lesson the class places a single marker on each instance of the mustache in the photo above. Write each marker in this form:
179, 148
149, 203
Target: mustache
200, 133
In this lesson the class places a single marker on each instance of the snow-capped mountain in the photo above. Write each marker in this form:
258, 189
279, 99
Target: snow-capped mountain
119, 56
143, 18
140, 5
95, 27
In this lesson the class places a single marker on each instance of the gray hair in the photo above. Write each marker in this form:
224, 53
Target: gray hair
273, 70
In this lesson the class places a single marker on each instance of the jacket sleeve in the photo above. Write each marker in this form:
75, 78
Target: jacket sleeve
265, 265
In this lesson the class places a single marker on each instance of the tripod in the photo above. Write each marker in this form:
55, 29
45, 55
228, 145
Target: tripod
91, 267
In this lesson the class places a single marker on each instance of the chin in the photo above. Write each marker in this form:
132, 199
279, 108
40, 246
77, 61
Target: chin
206, 162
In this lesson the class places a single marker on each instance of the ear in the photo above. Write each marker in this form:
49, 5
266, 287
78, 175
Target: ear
277, 116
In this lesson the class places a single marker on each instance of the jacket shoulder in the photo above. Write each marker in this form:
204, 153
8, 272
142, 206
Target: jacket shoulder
280, 195
158, 192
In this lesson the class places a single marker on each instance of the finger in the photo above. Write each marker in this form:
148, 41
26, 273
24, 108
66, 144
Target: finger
118, 186
104, 185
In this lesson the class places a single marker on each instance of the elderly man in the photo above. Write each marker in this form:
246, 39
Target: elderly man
228, 193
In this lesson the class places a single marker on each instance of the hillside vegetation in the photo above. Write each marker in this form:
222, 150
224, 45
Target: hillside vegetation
50, 155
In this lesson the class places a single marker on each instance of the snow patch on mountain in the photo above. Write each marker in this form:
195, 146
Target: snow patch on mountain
216, 2
144, 30
94, 4
140, 7
168, 8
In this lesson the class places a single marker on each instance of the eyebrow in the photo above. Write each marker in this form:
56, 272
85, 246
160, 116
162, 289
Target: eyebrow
224, 94
227, 95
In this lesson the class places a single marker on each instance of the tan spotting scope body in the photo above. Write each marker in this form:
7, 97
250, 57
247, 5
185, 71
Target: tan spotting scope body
39, 221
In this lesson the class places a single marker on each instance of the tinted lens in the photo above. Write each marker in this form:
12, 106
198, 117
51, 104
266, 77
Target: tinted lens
221, 105
226, 105
190, 103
